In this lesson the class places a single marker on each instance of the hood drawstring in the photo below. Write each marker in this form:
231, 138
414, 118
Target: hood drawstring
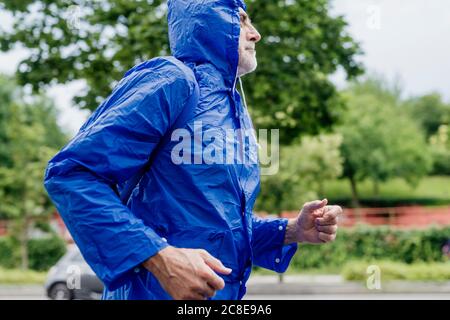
253, 131
243, 93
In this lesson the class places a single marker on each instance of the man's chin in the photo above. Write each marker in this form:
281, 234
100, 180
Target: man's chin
249, 68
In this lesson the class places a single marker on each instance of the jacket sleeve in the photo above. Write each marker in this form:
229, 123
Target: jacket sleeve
268, 246
108, 150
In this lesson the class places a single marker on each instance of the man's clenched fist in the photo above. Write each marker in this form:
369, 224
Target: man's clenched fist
316, 223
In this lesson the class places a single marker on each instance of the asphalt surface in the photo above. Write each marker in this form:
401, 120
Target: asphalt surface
303, 287
22, 292
368, 296
360, 296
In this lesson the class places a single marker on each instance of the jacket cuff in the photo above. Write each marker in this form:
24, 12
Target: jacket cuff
279, 255
143, 250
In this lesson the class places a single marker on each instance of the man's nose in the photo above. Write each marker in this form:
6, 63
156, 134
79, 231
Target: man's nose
253, 35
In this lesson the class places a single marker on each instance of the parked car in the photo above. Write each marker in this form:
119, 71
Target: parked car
72, 278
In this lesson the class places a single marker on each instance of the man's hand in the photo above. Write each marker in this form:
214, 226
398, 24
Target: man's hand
316, 223
187, 274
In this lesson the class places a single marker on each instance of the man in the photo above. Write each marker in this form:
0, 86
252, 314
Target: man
187, 231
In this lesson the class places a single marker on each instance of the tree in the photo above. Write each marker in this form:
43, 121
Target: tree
302, 45
304, 168
380, 141
430, 111
7, 93
99, 40
433, 115
440, 149
29, 137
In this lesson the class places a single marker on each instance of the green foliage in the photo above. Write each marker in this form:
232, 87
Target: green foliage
8, 93
29, 137
302, 44
381, 202
357, 271
21, 190
374, 243
97, 41
440, 149
430, 112
433, 115
430, 191
43, 253
92, 40
302, 169
8, 258
380, 140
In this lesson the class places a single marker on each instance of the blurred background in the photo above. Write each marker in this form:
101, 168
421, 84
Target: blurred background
359, 89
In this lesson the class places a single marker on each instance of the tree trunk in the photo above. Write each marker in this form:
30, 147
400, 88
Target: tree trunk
355, 197
280, 278
376, 188
24, 244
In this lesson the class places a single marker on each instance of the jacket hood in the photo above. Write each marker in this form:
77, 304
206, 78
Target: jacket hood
206, 31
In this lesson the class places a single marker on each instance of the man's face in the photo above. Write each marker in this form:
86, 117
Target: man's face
248, 38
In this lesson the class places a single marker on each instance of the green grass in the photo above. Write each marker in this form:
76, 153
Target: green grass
293, 271
435, 188
389, 270
16, 276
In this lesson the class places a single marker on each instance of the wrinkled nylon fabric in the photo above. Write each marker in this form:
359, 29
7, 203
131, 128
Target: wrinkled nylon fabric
202, 205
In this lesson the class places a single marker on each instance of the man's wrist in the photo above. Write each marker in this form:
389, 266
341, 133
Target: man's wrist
291, 235
155, 263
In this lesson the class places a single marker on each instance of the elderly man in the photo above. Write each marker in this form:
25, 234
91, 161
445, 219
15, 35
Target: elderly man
187, 230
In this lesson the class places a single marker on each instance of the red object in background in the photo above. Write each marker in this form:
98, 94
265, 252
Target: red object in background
409, 217
61, 227
3, 227
55, 221
412, 217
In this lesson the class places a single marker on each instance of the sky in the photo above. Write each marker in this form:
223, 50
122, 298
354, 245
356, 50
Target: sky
404, 40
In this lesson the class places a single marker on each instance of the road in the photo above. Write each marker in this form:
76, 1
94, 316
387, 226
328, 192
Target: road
34, 292
359, 296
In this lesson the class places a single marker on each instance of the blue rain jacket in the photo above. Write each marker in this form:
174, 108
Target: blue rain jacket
202, 205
